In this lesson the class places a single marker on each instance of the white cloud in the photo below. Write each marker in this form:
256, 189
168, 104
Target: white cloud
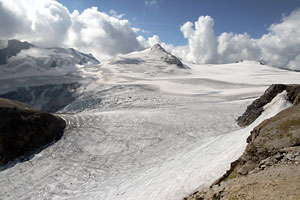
44, 22
202, 40
279, 47
48, 23
235, 47
154, 40
101, 34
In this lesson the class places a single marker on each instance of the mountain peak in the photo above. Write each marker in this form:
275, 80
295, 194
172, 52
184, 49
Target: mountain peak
166, 56
158, 47
11, 48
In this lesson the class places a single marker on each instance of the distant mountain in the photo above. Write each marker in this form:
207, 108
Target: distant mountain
12, 48
20, 59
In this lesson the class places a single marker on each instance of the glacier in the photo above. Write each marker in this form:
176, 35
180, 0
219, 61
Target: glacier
144, 127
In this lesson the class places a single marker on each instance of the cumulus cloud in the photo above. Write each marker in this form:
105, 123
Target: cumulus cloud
202, 40
101, 34
48, 23
154, 40
235, 47
45, 22
279, 47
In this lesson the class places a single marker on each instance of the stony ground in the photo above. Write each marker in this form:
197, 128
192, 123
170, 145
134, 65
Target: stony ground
278, 181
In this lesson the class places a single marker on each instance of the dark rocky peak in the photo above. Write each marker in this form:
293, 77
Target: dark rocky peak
12, 48
16, 46
84, 57
254, 110
167, 57
158, 47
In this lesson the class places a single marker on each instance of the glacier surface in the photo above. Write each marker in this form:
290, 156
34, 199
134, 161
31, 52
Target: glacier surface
142, 128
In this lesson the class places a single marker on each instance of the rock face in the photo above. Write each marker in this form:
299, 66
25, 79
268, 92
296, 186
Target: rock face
24, 129
12, 48
167, 57
256, 108
272, 157
49, 97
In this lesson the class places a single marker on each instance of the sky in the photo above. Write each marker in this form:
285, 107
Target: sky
197, 31
164, 17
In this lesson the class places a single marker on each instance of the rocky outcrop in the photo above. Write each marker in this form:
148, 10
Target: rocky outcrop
280, 181
49, 97
271, 161
24, 129
167, 57
267, 140
12, 48
257, 107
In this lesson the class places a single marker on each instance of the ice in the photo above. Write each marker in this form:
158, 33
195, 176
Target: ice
144, 129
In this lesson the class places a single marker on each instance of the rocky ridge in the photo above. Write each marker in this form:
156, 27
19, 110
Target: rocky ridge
24, 129
12, 48
167, 57
257, 107
270, 166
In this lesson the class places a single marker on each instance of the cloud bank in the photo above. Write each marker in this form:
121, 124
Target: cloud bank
279, 47
48, 23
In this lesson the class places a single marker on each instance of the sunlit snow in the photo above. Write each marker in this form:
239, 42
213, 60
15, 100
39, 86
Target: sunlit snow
144, 129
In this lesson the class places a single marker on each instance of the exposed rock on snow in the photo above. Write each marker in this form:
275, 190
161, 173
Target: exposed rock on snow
142, 129
267, 139
49, 97
257, 107
274, 147
12, 48
24, 129
167, 57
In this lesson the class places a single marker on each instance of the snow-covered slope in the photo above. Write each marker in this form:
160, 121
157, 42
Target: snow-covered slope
22, 59
143, 127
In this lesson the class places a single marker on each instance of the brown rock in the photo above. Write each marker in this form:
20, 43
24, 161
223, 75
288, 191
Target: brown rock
24, 129
267, 169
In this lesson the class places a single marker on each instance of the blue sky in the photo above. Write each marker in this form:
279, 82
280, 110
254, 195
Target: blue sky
165, 17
